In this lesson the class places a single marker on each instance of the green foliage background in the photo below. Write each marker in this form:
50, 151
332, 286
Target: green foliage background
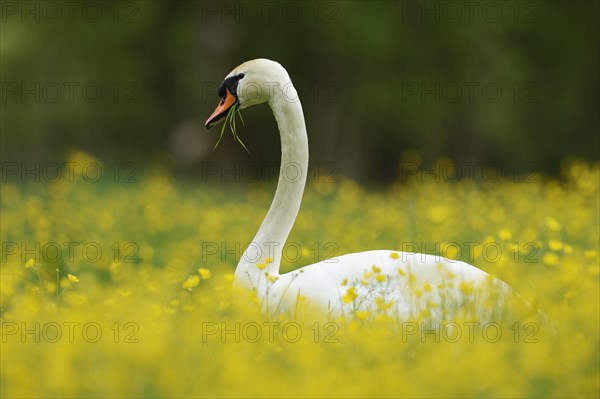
352, 63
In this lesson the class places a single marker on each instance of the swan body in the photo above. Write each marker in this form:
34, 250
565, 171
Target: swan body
407, 285
404, 284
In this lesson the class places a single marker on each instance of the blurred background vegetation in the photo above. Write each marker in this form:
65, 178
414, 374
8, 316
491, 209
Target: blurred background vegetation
496, 83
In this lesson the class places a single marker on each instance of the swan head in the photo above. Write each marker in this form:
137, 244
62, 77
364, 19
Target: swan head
253, 82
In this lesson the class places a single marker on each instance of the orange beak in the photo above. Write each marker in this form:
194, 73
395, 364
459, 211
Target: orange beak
221, 110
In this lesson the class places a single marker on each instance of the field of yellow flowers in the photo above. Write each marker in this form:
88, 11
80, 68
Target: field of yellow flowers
121, 287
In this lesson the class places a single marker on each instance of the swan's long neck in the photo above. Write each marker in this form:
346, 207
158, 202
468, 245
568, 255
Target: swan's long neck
275, 229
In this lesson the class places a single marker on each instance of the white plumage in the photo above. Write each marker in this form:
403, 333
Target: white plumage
382, 281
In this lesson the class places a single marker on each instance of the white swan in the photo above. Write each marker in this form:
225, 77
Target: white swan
404, 284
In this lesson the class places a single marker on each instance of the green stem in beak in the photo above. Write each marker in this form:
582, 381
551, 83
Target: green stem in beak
230, 118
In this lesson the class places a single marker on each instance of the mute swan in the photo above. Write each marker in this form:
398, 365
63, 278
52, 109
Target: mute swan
405, 284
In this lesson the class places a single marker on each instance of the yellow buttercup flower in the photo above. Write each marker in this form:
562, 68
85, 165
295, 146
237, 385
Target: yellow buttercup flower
466, 288
191, 282
505, 234
555, 245
382, 304
432, 305
552, 224
362, 315
204, 273
590, 254
437, 213
30, 263
350, 296
72, 278
551, 259
452, 252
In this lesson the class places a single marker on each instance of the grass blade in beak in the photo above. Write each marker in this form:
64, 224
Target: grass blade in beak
230, 118
234, 129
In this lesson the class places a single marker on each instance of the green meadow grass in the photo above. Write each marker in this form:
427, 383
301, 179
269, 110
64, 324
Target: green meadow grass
115, 289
